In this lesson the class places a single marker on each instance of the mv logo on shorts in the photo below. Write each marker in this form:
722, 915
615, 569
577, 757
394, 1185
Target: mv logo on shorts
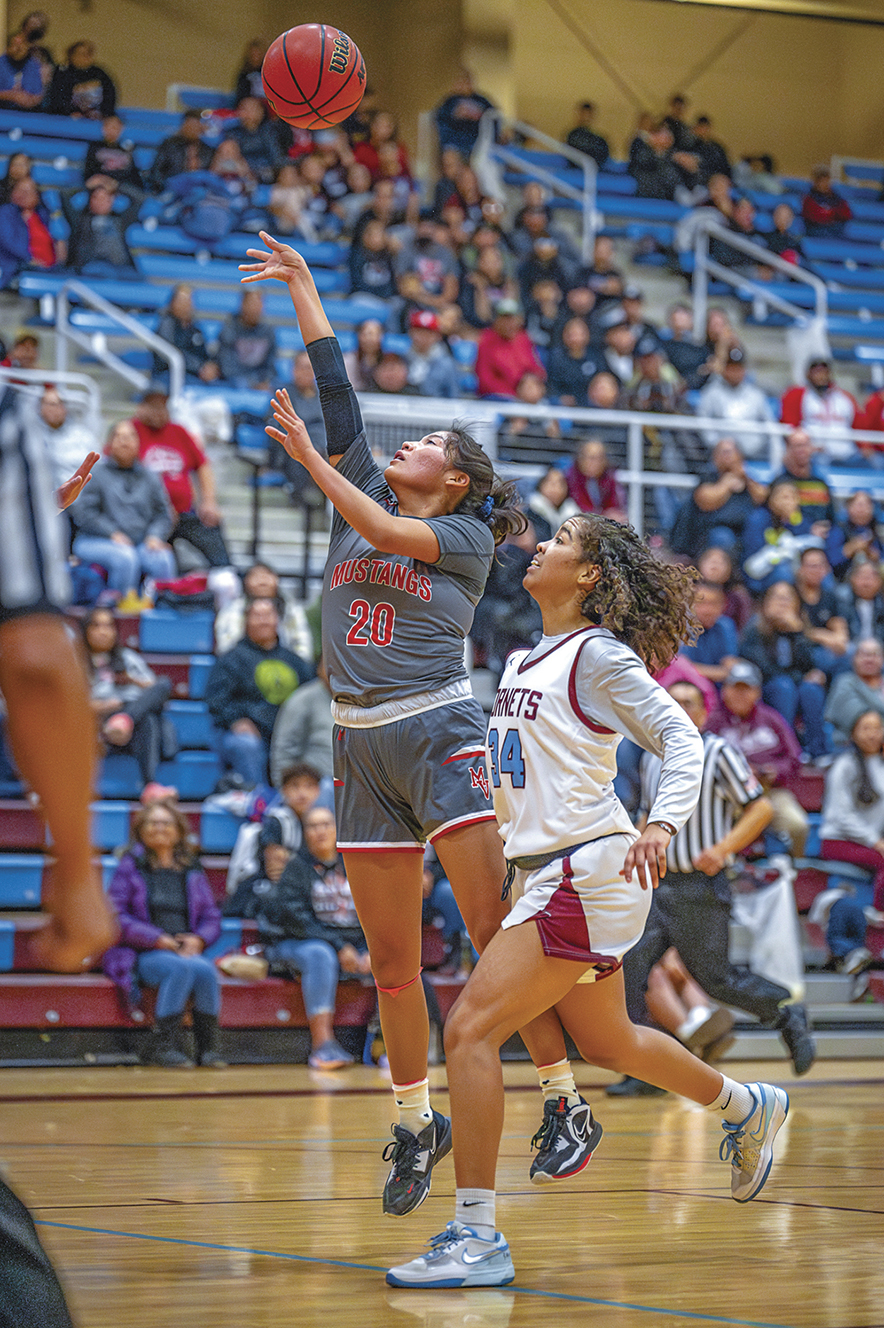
479, 780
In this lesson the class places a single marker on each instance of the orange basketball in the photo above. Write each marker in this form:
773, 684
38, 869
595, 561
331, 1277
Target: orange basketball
314, 76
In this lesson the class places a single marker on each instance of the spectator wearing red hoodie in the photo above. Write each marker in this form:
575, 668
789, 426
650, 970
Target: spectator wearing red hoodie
505, 353
592, 482
824, 410
824, 211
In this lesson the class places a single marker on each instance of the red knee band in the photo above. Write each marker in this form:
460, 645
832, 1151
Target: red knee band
394, 991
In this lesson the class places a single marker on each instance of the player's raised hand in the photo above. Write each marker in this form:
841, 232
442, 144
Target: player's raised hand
66, 493
648, 856
292, 432
281, 263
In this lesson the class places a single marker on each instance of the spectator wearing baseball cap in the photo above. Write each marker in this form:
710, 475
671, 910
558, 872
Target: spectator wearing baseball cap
432, 369
731, 397
825, 410
633, 304
505, 353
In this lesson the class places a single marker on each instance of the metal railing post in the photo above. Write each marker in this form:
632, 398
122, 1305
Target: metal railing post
635, 502
701, 284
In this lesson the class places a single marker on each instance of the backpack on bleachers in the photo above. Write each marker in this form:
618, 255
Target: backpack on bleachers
245, 860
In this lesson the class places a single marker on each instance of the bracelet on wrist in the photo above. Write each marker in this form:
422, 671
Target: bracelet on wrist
670, 829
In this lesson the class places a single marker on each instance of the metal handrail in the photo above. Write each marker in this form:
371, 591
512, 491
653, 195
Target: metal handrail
838, 163
96, 343
488, 148
34, 381
704, 266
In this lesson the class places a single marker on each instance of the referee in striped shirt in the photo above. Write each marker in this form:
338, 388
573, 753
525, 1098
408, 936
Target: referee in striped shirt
691, 907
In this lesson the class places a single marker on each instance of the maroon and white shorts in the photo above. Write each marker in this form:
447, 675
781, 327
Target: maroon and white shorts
583, 908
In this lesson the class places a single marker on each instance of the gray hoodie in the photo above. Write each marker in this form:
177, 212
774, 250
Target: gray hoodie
132, 500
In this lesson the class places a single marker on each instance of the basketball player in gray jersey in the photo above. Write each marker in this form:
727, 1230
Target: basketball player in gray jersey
410, 552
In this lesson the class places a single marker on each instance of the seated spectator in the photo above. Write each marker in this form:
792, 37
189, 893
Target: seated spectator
360, 362
303, 733
246, 687
248, 80
618, 345
98, 231
256, 140
277, 825
174, 454
580, 302
405, 193
484, 286
716, 564
572, 365
543, 313
592, 484
34, 26
515, 429
21, 78
18, 167
824, 211
814, 495
715, 649
287, 204
445, 191
122, 518
383, 129
872, 418
261, 582
506, 617
720, 337
305, 399
824, 625
603, 277
81, 88
717, 511
783, 240
660, 169
432, 369
427, 272
382, 207
742, 223
853, 693
550, 504
25, 239
860, 599
184, 151
25, 353
856, 532
111, 158
505, 353
774, 536
457, 116
757, 173
690, 360
713, 156
543, 262
769, 746
390, 375
775, 641
730, 397
372, 262
583, 137
178, 327
657, 388
67, 440
633, 305
824, 410
715, 205
533, 223
247, 345
167, 915
310, 930
127, 696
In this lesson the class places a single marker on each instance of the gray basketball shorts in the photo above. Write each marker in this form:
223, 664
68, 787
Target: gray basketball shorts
401, 784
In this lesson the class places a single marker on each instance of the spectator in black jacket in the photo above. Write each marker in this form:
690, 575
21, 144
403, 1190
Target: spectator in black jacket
712, 155
248, 80
573, 365
256, 139
247, 345
247, 686
98, 232
184, 151
659, 169
584, 138
81, 88
112, 158
178, 327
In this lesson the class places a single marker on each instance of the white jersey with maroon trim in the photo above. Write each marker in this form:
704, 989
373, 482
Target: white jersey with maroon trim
558, 717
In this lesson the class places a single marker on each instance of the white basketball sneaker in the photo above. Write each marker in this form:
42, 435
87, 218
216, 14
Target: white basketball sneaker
458, 1258
749, 1145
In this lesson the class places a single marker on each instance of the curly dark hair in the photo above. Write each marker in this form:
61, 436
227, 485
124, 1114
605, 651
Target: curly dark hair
647, 603
506, 516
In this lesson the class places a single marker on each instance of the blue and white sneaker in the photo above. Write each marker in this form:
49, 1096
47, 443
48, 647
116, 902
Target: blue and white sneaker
458, 1258
749, 1145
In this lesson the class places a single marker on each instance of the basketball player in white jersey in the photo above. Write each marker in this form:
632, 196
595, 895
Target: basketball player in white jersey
580, 872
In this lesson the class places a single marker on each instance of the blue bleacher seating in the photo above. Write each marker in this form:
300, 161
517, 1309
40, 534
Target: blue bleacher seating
7, 945
176, 633
193, 774
110, 824
21, 879
62, 150
119, 777
230, 939
218, 830
192, 723
198, 676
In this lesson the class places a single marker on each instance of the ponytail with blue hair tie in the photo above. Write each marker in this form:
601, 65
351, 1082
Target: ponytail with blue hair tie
486, 508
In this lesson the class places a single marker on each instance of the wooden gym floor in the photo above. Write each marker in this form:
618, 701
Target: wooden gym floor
250, 1197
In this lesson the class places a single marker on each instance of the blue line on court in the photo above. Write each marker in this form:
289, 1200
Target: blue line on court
372, 1268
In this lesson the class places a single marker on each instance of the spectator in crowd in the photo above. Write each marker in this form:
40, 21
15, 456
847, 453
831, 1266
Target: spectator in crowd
580, 302
824, 211
853, 693
522, 429
457, 117
583, 137
543, 313
168, 916
382, 207
757, 173
712, 154
550, 504
717, 511
303, 731
742, 223
247, 345
776, 642
178, 326
603, 277
506, 617
857, 531
675, 120
657, 389
427, 272
432, 369
310, 929
180, 152
484, 286
592, 484
300, 785
21, 78
81, 88
305, 399
572, 365
248, 79
111, 158
127, 696
825, 410
383, 129
67, 440
633, 304
25, 353
372, 262
824, 624
256, 140
543, 264
246, 687
729, 396
18, 167
683, 353
783, 240
715, 649
360, 362
122, 517
533, 223
774, 536
618, 341
277, 826
98, 231
770, 748
860, 599
390, 375
174, 454
814, 495
660, 169
25, 238
445, 191
286, 204
261, 582
505, 353
716, 564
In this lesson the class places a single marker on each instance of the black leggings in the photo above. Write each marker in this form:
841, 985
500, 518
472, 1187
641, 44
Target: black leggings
146, 711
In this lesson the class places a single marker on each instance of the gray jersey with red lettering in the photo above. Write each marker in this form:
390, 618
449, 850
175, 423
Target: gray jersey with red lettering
392, 626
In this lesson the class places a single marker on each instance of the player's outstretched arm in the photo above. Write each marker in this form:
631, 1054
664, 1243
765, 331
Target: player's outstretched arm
68, 492
280, 262
406, 536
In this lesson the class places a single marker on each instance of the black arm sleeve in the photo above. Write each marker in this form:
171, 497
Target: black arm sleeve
340, 409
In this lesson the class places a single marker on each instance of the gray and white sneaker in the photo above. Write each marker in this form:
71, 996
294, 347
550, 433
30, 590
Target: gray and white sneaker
412, 1158
458, 1258
749, 1145
565, 1141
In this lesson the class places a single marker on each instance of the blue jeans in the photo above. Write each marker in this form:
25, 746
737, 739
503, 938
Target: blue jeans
847, 927
125, 564
178, 977
805, 698
316, 963
246, 753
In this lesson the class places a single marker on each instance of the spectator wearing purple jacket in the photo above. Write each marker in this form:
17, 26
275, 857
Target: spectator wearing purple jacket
167, 915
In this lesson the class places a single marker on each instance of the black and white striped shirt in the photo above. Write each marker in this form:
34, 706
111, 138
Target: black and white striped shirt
728, 785
33, 565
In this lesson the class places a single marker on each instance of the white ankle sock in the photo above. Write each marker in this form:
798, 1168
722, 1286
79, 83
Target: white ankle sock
558, 1081
476, 1209
413, 1101
735, 1101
